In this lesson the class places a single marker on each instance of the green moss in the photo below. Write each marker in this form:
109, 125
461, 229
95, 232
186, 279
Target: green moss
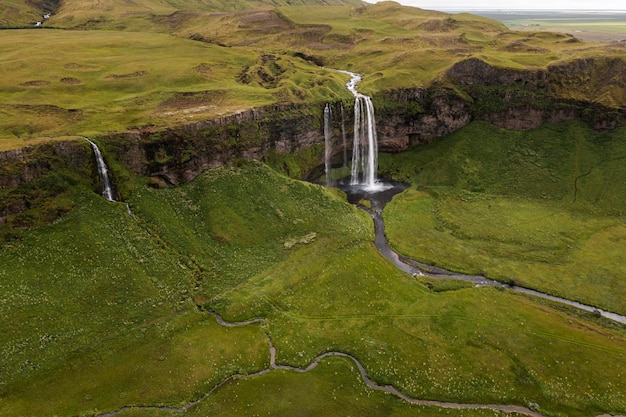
101, 301
537, 207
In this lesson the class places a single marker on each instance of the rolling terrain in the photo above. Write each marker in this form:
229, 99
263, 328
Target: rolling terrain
221, 283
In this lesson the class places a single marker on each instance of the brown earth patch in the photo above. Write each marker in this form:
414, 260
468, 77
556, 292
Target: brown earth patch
137, 74
81, 67
519, 46
203, 69
36, 83
71, 81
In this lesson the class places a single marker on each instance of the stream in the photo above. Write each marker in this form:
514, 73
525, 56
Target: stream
390, 389
386, 192
379, 197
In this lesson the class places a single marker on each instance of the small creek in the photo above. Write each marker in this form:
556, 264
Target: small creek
390, 389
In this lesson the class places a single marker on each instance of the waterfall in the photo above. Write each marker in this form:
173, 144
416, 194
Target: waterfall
103, 172
328, 142
343, 137
365, 143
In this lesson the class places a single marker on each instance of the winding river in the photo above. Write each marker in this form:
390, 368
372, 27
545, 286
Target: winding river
380, 198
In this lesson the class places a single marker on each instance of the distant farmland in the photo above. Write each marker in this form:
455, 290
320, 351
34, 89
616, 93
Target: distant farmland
590, 26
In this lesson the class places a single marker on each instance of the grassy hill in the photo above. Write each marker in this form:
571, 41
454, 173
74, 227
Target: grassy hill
81, 81
104, 307
542, 208
90, 13
108, 319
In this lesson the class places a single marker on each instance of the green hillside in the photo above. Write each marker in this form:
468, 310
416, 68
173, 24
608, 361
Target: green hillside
115, 308
89, 13
131, 67
99, 314
542, 208
18, 13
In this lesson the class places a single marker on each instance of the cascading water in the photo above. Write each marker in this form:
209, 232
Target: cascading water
328, 143
343, 136
103, 172
365, 143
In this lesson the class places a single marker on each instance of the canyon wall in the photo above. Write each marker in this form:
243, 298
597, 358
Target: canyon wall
469, 90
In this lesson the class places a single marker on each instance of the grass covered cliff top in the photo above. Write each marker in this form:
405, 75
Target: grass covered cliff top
161, 64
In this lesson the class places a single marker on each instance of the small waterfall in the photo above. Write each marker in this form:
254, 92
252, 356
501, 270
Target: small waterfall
103, 172
328, 143
365, 144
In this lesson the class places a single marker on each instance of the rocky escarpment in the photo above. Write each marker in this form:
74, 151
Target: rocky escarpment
35, 180
469, 90
509, 98
178, 155
25, 165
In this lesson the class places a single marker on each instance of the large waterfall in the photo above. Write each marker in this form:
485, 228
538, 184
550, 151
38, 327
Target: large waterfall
343, 136
103, 172
328, 143
365, 142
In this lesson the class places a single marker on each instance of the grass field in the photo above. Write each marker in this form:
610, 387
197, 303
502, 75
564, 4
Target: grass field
163, 69
104, 308
540, 208
59, 83
589, 26
107, 318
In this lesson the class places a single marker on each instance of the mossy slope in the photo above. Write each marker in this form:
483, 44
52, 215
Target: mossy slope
541, 208
99, 311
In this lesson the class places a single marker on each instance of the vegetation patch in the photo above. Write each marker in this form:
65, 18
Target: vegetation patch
511, 205
128, 293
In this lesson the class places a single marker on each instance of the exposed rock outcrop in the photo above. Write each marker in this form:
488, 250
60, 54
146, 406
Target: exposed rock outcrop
180, 154
509, 98
469, 90
25, 165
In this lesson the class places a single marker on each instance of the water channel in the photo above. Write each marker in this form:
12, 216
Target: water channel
385, 191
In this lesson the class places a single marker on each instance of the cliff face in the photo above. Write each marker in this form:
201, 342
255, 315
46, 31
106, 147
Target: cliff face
470, 90
34, 182
22, 166
179, 155
509, 98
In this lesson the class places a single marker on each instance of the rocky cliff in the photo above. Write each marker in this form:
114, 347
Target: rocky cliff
178, 155
35, 181
469, 90
509, 98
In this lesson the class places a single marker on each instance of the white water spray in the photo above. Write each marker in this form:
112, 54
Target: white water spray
365, 143
328, 142
343, 136
103, 172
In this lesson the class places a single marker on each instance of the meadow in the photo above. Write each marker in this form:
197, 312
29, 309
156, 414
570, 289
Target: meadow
541, 208
101, 301
58, 83
106, 307
587, 25
148, 65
